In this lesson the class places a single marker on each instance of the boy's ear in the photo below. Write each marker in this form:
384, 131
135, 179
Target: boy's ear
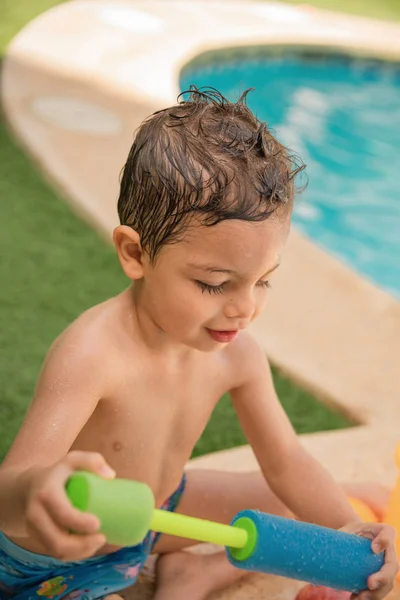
130, 253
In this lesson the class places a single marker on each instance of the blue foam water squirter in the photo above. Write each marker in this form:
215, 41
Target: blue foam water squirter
307, 552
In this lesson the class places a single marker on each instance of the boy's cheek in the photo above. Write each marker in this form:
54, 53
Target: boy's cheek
259, 309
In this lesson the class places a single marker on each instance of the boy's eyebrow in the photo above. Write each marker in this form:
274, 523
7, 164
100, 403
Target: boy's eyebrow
214, 269
271, 270
210, 268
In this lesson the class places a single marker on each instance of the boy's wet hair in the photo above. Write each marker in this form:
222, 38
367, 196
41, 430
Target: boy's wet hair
204, 157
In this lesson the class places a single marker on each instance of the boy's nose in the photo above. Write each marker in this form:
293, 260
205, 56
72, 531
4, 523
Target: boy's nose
240, 308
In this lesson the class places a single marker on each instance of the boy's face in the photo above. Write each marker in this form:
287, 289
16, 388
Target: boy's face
203, 290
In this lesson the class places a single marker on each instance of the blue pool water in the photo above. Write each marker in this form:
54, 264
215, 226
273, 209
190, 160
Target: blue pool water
342, 116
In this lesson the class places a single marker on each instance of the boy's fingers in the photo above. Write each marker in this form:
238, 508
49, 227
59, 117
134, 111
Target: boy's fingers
55, 500
53, 496
89, 461
58, 542
366, 595
378, 594
383, 540
384, 578
381, 592
68, 517
367, 530
51, 516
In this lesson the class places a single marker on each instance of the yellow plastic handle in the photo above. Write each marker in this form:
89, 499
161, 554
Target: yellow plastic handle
198, 529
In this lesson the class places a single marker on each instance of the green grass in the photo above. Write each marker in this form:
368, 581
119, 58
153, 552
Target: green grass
305, 412
53, 266
14, 14
383, 9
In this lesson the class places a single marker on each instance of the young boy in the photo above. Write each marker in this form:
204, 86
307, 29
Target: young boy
205, 208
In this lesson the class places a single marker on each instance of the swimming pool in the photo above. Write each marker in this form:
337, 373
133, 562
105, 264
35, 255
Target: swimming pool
342, 116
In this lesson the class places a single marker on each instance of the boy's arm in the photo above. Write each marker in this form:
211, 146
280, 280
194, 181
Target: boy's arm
295, 477
67, 393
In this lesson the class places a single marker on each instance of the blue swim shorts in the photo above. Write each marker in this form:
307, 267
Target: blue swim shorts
25, 575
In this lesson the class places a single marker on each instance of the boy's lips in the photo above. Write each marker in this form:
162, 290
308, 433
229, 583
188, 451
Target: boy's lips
222, 336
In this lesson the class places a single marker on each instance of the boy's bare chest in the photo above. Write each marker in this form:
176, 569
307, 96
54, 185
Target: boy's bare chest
148, 429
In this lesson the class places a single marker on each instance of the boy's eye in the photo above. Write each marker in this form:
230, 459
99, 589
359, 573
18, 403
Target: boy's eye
264, 284
211, 289
218, 289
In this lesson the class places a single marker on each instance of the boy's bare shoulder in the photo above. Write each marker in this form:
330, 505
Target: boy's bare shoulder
246, 358
92, 338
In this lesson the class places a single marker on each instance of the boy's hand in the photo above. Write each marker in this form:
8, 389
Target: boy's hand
50, 517
383, 538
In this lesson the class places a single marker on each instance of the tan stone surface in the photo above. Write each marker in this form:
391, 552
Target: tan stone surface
335, 332
357, 454
77, 82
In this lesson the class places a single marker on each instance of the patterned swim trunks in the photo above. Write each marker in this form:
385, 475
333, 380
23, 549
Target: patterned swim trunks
25, 575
